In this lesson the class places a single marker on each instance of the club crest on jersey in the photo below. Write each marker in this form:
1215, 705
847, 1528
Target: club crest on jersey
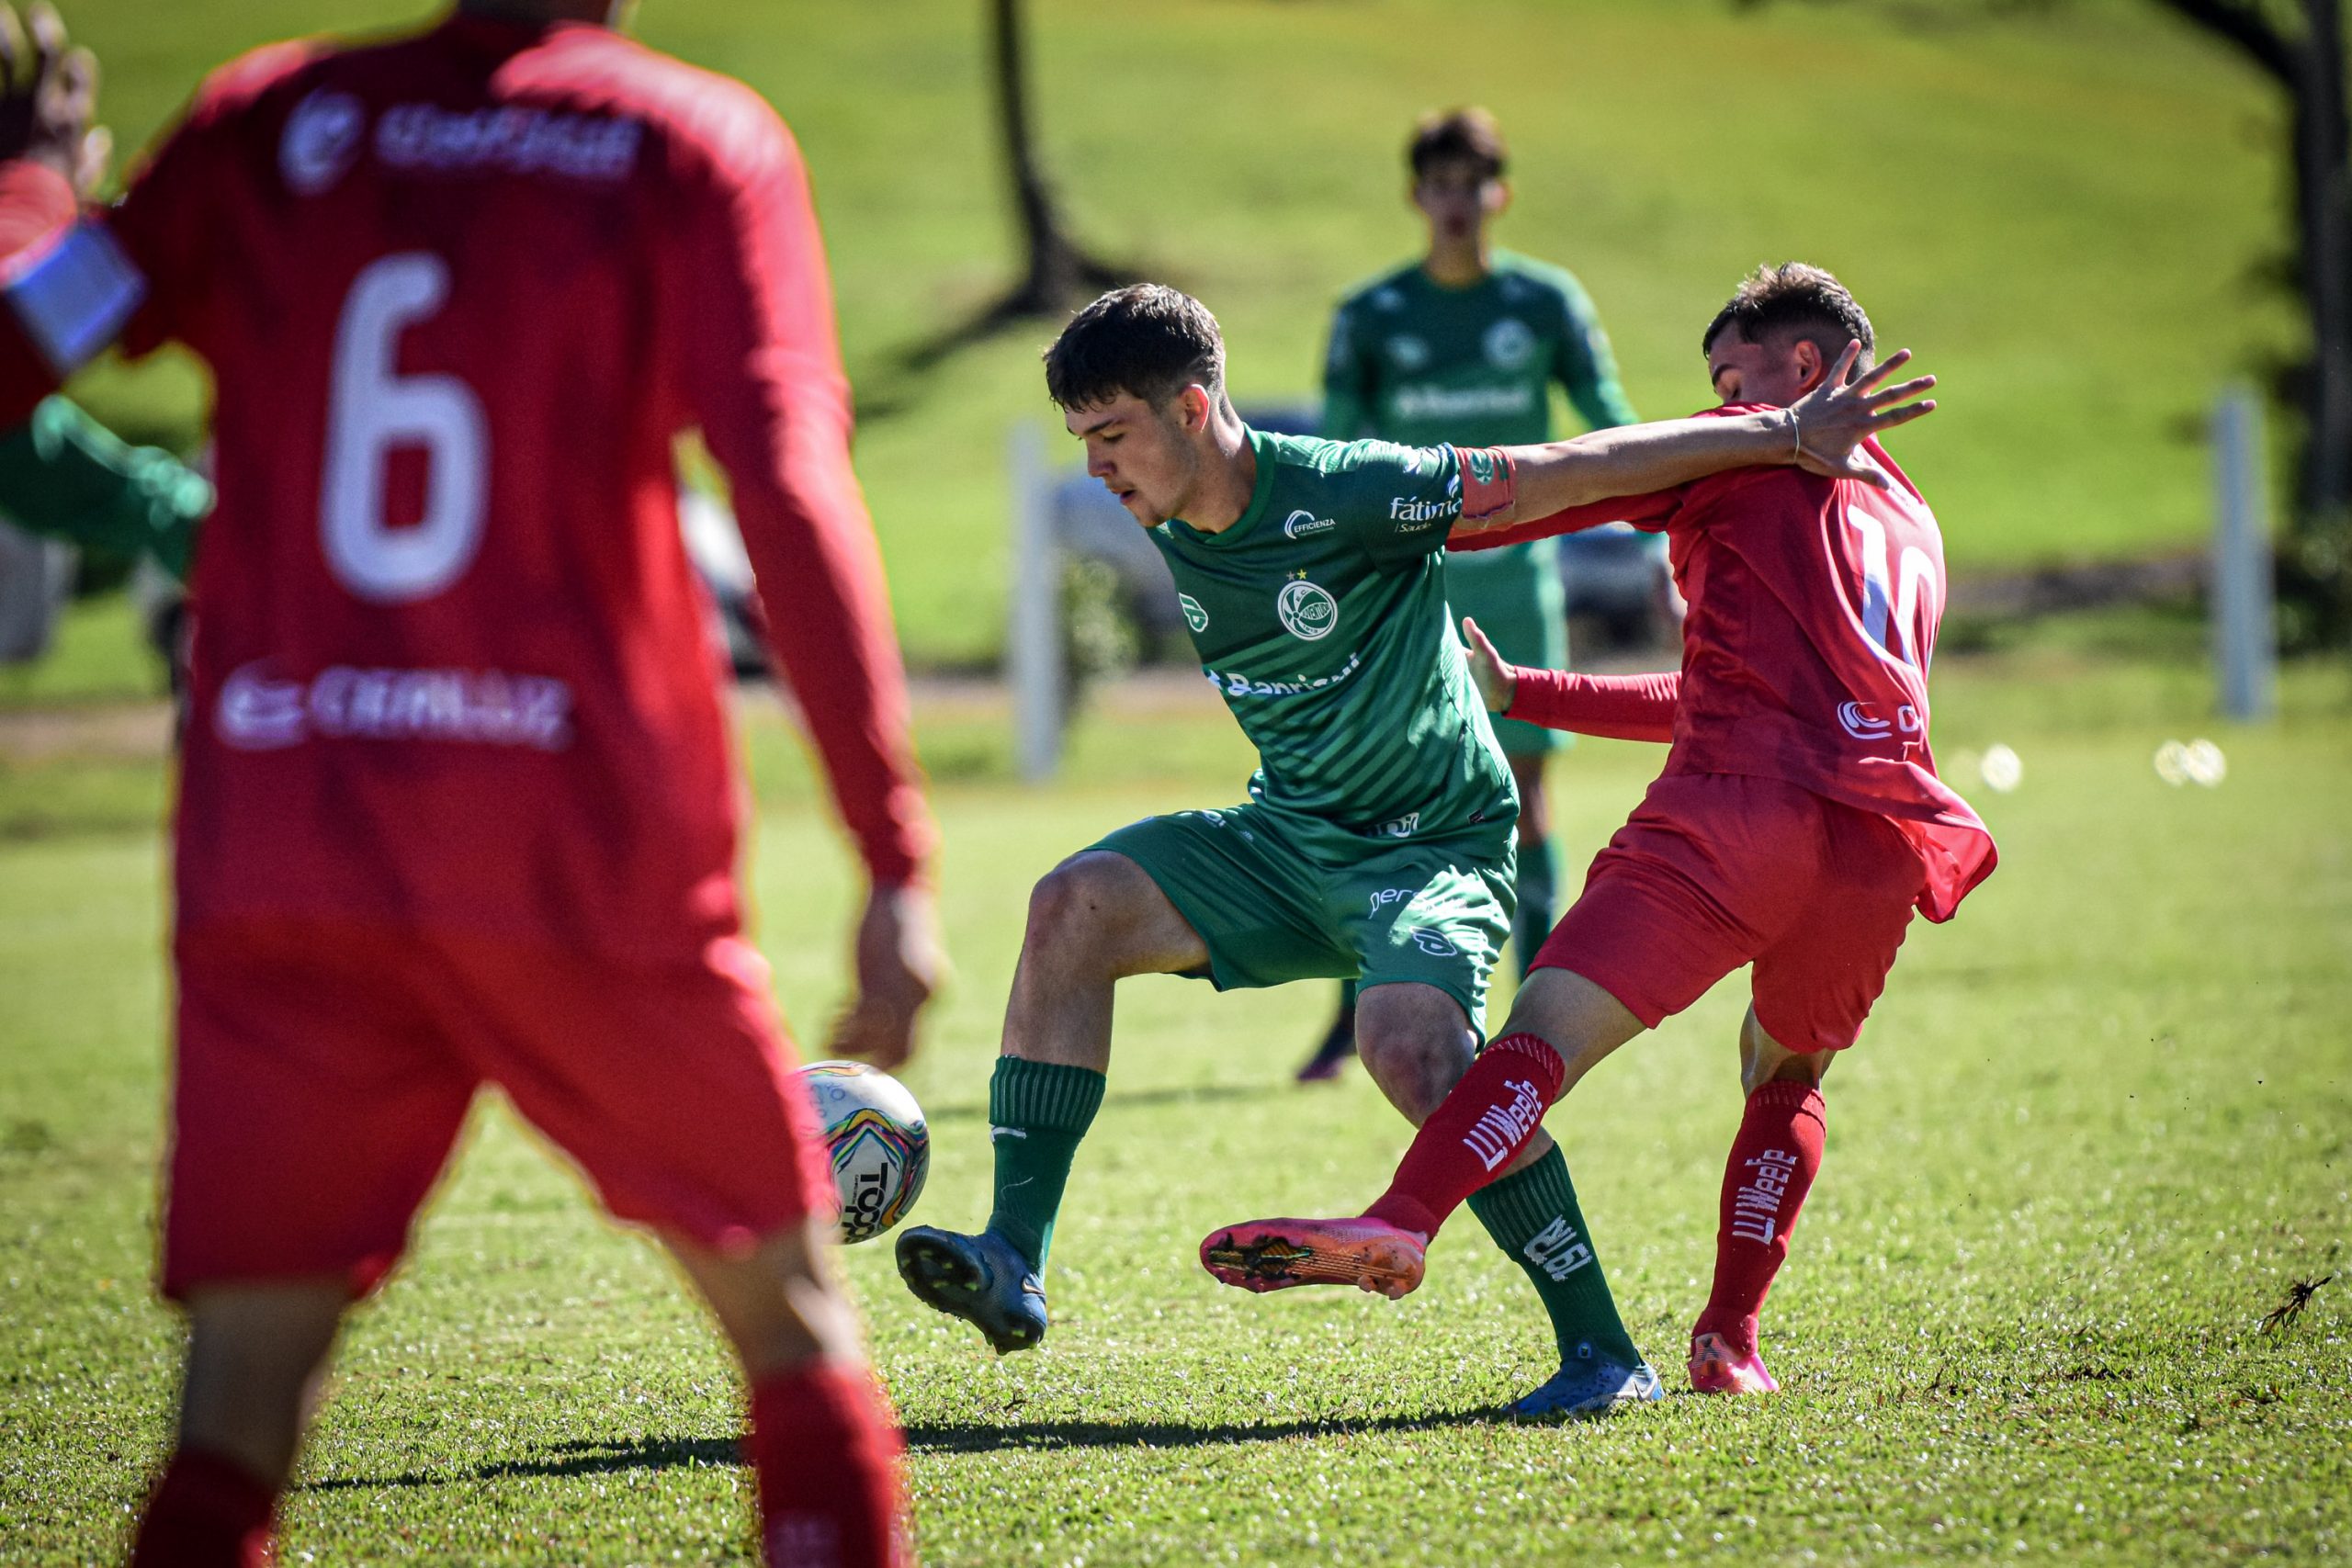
1194, 616
1308, 612
1509, 343
1299, 524
323, 138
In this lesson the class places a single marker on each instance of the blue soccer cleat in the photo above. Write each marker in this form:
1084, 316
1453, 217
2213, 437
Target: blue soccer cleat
1589, 1383
981, 1279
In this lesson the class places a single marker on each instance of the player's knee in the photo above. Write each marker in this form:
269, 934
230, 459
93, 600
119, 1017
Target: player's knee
1072, 905
1414, 1060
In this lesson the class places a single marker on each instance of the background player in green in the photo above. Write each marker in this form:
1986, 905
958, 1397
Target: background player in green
1376, 843
1463, 345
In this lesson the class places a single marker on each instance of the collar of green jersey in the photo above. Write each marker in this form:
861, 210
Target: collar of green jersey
1261, 499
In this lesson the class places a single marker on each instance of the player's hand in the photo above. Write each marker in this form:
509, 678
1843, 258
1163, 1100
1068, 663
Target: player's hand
1498, 679
900, 964
1834, 418
49, 93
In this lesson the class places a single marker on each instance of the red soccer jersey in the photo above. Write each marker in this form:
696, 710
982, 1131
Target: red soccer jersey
1814, 606
460, 292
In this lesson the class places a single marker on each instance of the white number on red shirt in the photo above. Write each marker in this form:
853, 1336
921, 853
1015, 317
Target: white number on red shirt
1891, 613
371, 412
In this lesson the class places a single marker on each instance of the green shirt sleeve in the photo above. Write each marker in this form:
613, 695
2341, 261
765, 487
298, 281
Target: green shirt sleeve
1348, 391
1400, 501
1584, 366
66, 475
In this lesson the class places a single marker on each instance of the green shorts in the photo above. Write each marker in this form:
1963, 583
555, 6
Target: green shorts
1435, 911
1515, 597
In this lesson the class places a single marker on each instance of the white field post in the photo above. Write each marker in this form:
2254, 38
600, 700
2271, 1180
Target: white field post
2245, 638
1032, 635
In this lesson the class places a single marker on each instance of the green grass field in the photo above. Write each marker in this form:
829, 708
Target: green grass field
2058, 206
2099, 1127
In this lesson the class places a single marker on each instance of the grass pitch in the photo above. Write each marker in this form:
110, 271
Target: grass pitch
2097, 1130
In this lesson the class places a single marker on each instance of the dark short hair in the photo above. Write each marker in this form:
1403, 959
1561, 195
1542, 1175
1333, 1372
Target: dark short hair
1466, 135
1146, 339
1794, 297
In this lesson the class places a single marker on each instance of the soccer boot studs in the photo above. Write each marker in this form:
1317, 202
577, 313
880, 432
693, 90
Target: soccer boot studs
981, 1279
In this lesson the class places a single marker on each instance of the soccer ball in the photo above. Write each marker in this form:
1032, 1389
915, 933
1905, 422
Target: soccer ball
880, 1149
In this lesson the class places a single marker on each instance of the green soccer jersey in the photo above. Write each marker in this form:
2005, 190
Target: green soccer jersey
1321, 615
1414, 362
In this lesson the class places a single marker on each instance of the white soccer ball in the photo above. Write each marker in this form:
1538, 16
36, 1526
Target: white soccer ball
880, 1149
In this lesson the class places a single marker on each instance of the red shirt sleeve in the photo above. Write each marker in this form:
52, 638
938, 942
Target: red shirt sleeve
1650, 511
755, 355
1615, 708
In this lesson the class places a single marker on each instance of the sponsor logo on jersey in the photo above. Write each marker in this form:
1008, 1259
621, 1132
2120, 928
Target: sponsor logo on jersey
1434, 943
486, 708
1463, 402
507, 140
1407, 352
1237, 686
1194, 616
1306, 611
1299, 524
1404, 827
1387, 895
1859, 720
323, 137
1413, 512
1509, 345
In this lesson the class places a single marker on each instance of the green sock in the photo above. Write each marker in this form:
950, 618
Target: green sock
1532, 1215
1037, 1114
1539, 901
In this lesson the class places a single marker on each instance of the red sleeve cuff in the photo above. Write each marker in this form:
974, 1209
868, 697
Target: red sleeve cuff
1489, 484
36, 201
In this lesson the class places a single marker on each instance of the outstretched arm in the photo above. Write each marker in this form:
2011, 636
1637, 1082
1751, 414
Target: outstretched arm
751, 337
1820, 434
1614, 707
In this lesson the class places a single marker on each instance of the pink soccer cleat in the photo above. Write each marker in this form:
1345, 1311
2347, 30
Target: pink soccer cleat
1274, 1255
1716, 1367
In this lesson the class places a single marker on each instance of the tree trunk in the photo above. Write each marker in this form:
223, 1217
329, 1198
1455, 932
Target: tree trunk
2324, 212
1054, 271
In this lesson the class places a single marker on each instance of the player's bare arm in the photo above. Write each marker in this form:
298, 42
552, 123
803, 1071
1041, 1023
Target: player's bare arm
1822, 432
48, 96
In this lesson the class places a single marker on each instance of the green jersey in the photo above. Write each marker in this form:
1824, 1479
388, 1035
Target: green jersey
1413, 362
1321, 615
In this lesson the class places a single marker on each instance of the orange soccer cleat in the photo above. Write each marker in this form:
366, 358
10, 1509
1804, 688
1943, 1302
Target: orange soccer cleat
1718, 1367
1274, 1255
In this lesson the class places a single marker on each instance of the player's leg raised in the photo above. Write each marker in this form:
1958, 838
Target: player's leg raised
1215, 894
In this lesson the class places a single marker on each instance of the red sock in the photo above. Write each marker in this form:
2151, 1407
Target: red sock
1468, 1140
826, 1456
1773, 1164
205, 1512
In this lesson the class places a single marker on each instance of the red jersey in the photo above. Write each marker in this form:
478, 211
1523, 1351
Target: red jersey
1813, 604
460, 292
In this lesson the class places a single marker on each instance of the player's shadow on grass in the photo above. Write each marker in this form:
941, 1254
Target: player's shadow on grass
1196, 1094
590, 1457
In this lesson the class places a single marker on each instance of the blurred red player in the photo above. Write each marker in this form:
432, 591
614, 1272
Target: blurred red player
459, 806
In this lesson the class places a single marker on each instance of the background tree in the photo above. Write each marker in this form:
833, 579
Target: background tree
2299, 46
2306, 63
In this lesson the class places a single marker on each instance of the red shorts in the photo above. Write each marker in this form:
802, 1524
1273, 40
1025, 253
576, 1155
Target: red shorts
326, 1070
1715, 870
